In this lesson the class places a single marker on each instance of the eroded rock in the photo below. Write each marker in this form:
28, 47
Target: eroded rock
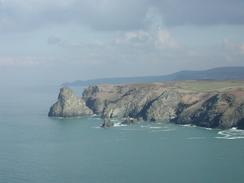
69, 105
155, 102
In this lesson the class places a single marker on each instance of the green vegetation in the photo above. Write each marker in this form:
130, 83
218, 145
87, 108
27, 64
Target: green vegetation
205, 86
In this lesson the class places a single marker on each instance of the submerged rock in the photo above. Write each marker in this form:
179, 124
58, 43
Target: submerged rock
69, 105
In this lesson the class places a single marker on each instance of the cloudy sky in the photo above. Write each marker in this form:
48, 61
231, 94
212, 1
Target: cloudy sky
53, 41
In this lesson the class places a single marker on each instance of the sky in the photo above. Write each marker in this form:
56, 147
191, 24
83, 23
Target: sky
54, 41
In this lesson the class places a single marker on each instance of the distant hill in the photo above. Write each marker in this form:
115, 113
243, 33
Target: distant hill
221, 73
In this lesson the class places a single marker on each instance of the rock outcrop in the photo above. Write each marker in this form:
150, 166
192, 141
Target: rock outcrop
171, 102
69, 105
221, 110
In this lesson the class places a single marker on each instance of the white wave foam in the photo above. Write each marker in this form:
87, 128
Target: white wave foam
231, 134
144, 126
155, 127
208, 128
189, 125
119, 125
97, 127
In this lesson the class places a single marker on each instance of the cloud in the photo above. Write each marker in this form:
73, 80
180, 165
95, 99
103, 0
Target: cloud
125, 15
237, 47
132, 37
242, 48
165, 40
101, 15
198, 12
23, 61
82, 39
54, 40
157, 39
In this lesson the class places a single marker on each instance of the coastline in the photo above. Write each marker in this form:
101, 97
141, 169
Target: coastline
210, 104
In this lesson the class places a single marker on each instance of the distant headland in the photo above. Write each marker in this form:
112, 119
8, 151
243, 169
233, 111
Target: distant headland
211, 104
219, 73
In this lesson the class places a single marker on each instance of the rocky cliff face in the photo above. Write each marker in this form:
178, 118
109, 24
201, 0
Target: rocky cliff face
156, 102
69, 105
220, 110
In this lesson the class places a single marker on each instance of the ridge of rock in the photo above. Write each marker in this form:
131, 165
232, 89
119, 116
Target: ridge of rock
162, 102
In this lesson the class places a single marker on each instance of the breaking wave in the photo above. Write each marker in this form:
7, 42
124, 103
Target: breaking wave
231, 134
119, 125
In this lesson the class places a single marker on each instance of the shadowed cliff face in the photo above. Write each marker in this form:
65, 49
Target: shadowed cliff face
222, 108
213, 111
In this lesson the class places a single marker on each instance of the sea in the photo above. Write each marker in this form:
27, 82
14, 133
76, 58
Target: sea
37, 149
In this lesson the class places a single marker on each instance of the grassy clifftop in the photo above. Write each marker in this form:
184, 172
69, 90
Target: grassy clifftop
209, 86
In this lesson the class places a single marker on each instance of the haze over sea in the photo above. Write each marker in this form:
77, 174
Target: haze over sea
37, 149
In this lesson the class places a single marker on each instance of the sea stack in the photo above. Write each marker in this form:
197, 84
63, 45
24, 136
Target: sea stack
69, 105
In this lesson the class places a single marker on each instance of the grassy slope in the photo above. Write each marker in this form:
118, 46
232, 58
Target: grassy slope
207, 86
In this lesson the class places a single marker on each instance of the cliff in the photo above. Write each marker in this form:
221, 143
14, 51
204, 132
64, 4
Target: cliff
202, 103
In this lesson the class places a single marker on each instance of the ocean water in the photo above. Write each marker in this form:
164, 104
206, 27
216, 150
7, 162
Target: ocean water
37, 149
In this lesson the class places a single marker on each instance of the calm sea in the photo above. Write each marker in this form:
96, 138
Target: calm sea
38, 149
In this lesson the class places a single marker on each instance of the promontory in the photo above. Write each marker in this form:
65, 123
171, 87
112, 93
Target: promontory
212, 104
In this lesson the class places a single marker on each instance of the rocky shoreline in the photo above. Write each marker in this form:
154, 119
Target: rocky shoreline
176, 102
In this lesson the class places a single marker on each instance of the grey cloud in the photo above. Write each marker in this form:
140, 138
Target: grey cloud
102, 15
199, 12
156, 39
114, 14
53, 40
235, 47
117, 14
